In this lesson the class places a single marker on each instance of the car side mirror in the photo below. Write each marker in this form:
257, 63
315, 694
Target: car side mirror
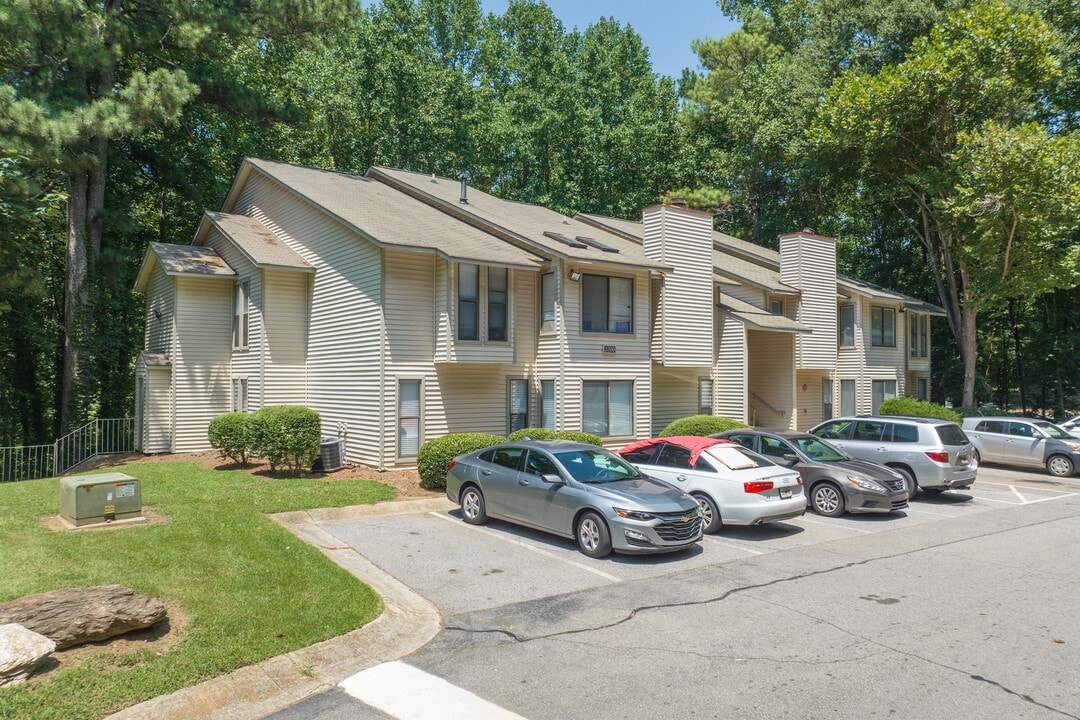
791, 458
553, 479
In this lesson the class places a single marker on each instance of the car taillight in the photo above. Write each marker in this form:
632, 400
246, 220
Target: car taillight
799, 479
757, 486
937, 456
451, 466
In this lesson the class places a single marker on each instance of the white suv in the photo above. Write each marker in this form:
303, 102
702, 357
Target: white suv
930, 453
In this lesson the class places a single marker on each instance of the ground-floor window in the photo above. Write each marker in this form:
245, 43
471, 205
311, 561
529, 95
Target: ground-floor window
408, 418
826, 399
608, 407
518, 404
547, 404
705, 396
924, 389
847, 397
882, 391
240, 394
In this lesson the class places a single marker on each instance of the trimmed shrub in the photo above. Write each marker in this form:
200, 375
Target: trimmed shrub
918, 408
286, 435
579, 436
230, 435
533, 434
702, 425
435, 455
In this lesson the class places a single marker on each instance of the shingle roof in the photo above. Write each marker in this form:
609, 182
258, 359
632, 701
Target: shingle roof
547, 231
759, 318
853, 286
182, 260
390, 218
257, 242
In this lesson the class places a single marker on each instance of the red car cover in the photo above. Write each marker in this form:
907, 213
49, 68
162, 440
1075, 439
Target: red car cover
693, 443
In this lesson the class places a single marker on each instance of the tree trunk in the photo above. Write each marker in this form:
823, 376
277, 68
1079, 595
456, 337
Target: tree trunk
76, 303
969, 352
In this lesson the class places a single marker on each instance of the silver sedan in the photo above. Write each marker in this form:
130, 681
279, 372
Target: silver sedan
577, 491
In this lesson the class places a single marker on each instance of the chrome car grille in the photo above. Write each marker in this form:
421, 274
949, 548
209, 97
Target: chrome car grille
685, 528
893, 484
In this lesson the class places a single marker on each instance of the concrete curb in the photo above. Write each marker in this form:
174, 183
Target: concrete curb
408, 622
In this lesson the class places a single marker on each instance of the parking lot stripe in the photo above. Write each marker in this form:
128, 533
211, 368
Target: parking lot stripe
728, 543
924, 512
833, 525
1017, 494
521, 543
407, 693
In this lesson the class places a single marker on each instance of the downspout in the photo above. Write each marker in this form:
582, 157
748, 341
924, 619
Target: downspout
561, 334
382, 361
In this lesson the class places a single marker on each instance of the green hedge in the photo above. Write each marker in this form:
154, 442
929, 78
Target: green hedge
918, 408
545, 434
286, 435
702, 425
533, 434
435, 455
230, 434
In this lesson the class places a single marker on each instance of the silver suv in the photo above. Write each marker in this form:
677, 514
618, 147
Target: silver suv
931, 454
1021, 441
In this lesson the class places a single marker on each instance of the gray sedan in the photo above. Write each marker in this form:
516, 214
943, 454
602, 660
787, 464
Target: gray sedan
577, 491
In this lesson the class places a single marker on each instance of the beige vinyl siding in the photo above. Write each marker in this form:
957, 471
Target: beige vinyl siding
158, 424
809, 263
160, 307
810, 402
201, 360
345, 327
284, 338
247, 362
675, 394
682, 239
552, 349
746, 293
771, 379
730, 374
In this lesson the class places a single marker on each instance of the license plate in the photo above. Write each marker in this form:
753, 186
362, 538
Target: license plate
785, 493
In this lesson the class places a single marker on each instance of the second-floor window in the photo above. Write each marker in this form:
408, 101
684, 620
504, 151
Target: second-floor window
547, 302
883, 327
607, 304
846, 327
924, 335
483, 288
241, 316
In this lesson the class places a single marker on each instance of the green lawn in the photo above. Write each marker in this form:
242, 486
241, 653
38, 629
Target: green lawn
252, 590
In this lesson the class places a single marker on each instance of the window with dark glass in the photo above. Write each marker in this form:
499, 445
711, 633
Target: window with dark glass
496, 303
924, 334
519, 404
241, 317
705, 396
846, 326
607, 407
913, 323
882, 391
607, 304
408, 417
883, 327
468, 302
547, 302
547, 404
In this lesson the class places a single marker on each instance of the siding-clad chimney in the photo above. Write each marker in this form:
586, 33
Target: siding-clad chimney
808, 262
683, 330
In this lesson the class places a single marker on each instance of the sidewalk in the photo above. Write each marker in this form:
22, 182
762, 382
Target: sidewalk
408, 623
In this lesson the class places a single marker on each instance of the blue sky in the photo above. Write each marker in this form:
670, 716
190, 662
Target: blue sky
667, 26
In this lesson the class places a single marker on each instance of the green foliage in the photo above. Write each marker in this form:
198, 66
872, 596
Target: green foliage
250, 589
435, 455
917, 408
702, 425
579, 436
965, 412
286, 435
230, 434
532, 434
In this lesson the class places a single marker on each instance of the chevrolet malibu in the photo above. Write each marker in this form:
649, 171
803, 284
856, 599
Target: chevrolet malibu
732, 485
577, 491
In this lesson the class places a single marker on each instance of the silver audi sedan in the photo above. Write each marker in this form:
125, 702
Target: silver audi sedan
577, 491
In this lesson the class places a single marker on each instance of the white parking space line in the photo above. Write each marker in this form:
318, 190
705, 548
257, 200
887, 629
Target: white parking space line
407, 693
1017, 494
805, 519
728, 543
924, 512
521, 543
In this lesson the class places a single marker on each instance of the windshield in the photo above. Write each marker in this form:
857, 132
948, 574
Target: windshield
596, 466
1052, 430
820, 450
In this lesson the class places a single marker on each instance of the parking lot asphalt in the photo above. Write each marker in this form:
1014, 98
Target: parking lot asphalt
430, 566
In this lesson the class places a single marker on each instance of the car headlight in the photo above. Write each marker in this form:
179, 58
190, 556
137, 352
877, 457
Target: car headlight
1073, 446
865, 483
633, 514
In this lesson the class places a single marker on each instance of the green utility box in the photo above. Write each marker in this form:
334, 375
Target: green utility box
90, 499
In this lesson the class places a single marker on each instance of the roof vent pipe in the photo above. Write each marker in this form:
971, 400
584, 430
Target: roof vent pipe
463, 199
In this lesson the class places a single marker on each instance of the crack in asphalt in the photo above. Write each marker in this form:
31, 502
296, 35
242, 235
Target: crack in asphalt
518, 638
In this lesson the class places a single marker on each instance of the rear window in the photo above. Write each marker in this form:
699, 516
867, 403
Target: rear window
951, 434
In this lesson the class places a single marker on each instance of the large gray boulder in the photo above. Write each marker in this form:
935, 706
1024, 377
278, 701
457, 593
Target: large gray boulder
74, 616
21, 652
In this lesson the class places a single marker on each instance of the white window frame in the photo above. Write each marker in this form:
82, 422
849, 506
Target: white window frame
241, 315
608, 385
521, 393
547, 405
880, 392
548, 289
240, 393
705, 393
882, 338
840, 338
485, 301
404, 415
776, 306
608, 323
